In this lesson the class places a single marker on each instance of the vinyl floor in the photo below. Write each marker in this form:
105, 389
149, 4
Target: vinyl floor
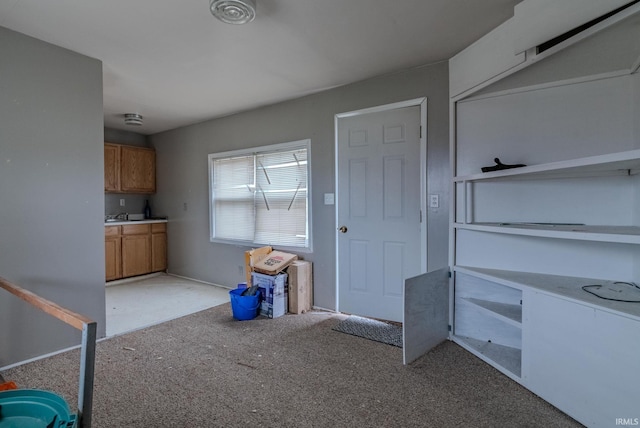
136, 304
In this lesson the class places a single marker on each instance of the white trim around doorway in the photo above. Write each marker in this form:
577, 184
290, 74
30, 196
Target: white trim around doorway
422, 102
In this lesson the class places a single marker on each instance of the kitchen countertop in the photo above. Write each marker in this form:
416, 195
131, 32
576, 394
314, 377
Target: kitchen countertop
124, 222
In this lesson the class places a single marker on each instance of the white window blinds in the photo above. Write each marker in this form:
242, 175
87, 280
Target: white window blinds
262, 197
233, 191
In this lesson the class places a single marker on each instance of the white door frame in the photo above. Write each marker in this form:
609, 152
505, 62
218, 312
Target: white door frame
422, 102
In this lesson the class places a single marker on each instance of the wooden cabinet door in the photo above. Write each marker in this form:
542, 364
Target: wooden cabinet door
426, 313
137, 170
158, 247
111, 167
158, 252
112, 250
136, 255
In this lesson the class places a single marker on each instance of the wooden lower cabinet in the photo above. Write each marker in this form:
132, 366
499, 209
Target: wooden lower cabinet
158, 247
135, 249
113, 253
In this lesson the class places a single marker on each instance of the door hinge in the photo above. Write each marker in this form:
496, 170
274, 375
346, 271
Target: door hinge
449, 273
420, 131
420, 216
449, 327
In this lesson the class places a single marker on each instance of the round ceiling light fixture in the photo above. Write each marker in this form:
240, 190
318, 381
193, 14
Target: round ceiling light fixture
132, 119
233, 11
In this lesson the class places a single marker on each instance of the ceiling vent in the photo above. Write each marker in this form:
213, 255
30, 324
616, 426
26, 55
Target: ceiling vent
233, 11
132, 119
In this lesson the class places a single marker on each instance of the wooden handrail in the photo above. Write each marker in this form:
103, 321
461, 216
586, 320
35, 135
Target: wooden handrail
88, 348
73, 319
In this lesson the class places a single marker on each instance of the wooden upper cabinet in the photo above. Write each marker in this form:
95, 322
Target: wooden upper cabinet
129, 169
138, 170
111, 167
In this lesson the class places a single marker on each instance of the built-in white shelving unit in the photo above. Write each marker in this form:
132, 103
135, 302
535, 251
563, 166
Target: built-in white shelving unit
530, 245
526, 241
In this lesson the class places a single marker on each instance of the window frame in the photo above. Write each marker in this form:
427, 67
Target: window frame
254, 151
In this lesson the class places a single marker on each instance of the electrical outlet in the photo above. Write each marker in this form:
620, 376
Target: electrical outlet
184, 206
240, 270
122, 202
434, 201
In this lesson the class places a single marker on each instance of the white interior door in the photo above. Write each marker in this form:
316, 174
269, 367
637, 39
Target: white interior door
379, 210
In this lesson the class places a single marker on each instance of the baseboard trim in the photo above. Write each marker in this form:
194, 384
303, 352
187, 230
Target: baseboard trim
39, 357
133, 278
200, 281
320, 308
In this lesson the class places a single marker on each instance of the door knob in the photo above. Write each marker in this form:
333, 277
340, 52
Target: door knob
343, 229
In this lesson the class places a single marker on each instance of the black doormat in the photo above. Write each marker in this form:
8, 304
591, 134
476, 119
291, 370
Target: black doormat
378, 331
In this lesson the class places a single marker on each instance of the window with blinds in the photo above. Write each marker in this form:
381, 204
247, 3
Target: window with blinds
260, 196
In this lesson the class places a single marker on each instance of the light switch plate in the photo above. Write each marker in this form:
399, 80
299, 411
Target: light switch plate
329, 199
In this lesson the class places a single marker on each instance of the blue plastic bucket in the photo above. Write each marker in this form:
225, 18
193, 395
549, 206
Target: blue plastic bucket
34, 408
244, 307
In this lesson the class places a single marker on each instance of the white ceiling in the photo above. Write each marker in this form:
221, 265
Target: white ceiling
175, 64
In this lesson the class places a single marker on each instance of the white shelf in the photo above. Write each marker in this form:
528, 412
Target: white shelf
567, 287
614, 234
511, 314
504, 357
626, 163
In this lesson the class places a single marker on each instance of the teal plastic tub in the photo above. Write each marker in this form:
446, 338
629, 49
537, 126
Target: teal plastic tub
34, 408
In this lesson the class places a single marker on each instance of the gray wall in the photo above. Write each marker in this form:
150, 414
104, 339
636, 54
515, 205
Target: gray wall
51, 192
183, 176
133, 204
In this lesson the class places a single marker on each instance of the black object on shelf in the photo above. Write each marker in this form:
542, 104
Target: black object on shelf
147, 209
500, 166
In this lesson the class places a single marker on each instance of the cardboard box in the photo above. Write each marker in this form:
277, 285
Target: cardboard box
252, 257
300, 286
275, 262
274, 293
